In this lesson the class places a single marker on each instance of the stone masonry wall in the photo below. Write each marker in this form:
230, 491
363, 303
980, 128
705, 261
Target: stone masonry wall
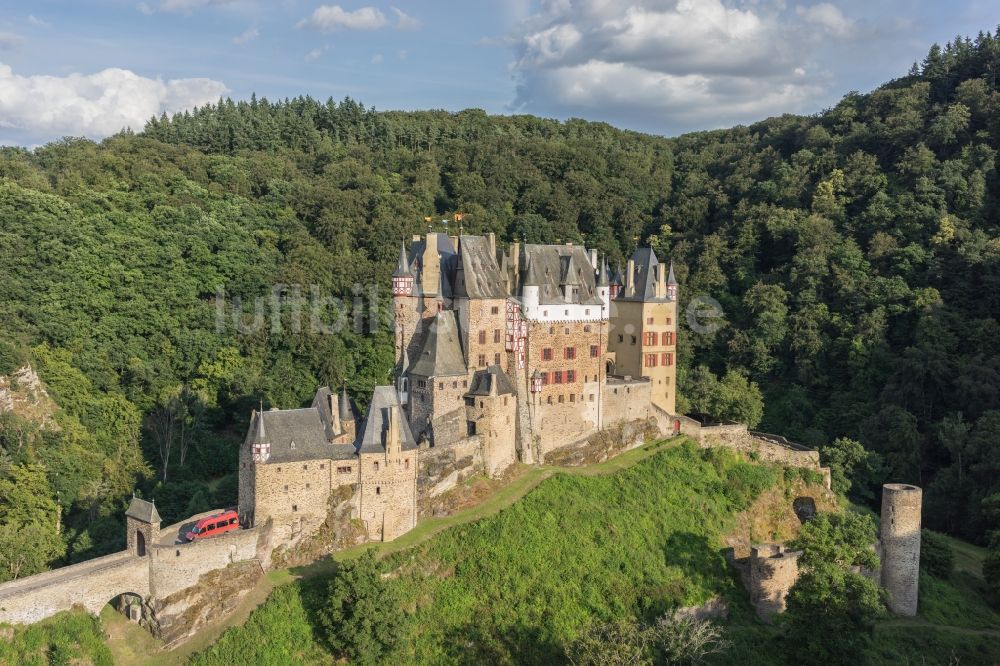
773, 572
441, 468
490, 317
496, 426
626, 400
89, 584
899, 541
294, 494
176, 567
388, 493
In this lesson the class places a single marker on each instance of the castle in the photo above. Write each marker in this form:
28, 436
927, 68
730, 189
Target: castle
512, 353
501, 357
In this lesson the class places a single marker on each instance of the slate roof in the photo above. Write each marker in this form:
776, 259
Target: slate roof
402, 266
441, 355
602, 278
306, 429
372, 438
142, 510
478, 273
448, 261
554, 267
483, 380
644, 278
322, 403
347, 410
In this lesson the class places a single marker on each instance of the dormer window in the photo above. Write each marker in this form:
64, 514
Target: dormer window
291, 444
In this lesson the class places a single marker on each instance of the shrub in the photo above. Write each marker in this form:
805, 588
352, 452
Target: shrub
837, 539
936, 555
362, 616
686, 640
622, 642
11, 357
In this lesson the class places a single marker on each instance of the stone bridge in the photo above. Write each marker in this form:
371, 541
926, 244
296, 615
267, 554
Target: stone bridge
89, 584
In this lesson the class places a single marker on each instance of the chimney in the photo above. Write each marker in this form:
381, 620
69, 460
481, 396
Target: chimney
334, 413
430, 273
392, 443
630, 278
515, 260
491, 238
593, 259
661, 281
454, 243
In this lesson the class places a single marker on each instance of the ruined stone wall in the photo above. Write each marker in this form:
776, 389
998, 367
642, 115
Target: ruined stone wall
388, 501
175, 567
89, 584
773, 571
496, 426
899, 542
441, 468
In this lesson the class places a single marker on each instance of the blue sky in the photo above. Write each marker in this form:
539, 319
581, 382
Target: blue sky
661, 66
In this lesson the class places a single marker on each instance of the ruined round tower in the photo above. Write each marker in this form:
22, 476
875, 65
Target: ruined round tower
900, 546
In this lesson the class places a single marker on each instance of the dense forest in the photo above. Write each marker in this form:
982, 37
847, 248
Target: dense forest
855, 254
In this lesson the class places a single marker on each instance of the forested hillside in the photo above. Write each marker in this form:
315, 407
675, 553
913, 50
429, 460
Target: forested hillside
855, 254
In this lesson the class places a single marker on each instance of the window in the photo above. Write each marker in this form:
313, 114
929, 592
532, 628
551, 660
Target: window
592, 397
669, 321
569, 353
343, 470
650, 360
406, 463
496, 358
470, 402
572, 397
454, 384
482, 360
664, 357
649, 320
587, 311
308, 486
495, 310
547, 354
482, 337
279, 469
295, 507
305, 467
668, 358
566, 313
496, 335
594, 351
465, 383
552, 329
421, 383
376, 465
560, 397
668, 338
566, 330
378, 490
322, 465
545, 313
649, 339
557, 377
570, 376
545, 378
286, 489
621, 338
440, 306
549, 400
587, 328
440, 386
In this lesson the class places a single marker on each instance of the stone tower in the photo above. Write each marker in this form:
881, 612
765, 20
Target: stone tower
773, 572
142, 525
900, 546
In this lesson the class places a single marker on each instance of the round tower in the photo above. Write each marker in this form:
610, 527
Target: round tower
900, 545
773, 572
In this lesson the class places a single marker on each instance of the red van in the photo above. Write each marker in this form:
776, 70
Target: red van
214, 525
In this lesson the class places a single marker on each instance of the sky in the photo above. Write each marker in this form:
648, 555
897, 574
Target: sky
660, 66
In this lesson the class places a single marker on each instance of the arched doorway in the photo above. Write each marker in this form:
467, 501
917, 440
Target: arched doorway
609, 367
140, 543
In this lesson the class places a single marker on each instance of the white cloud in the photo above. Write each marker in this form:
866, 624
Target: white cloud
656, 63
37, 22
828, 17
377, 59
402, 54
95, 105
144, 8
10, 41
315, 54
404, 21
246, 36
327, 18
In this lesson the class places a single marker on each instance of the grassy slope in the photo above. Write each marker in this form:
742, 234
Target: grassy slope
515, 586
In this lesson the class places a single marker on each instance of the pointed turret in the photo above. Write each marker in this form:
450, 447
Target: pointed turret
531, 278
402, 277
602, 277
671, 283
257, 433
402, 266
530, 291
346, 412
